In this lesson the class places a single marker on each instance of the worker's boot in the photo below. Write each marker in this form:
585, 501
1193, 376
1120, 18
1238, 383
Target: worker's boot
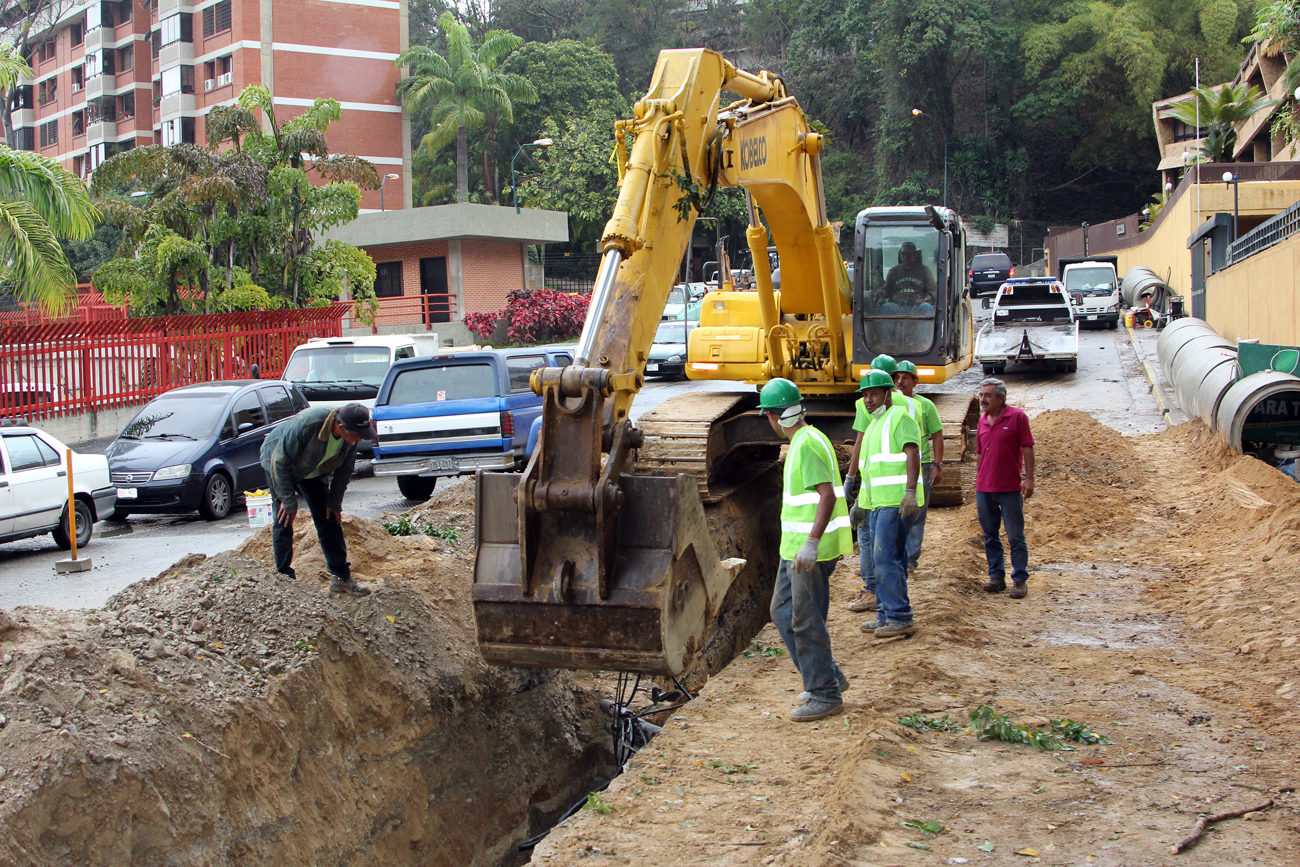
347, 585
1019, 590
996, 585
865, 601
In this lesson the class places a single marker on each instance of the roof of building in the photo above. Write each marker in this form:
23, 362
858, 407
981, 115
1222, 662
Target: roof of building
444, 222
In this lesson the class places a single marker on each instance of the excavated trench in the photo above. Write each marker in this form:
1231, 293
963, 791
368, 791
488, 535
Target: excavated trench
224, 714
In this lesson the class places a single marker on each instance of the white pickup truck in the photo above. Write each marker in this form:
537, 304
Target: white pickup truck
1032, 323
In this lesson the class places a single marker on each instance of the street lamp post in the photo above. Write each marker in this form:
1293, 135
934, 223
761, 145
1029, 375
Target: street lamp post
916, 112
514, 188
1231, 179
1085, 240
381, 188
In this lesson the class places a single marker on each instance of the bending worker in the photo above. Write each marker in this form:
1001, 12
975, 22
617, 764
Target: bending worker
926, 415
298, 457
814, 535
887, 453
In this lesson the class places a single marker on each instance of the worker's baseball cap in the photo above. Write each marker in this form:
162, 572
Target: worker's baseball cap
356, 418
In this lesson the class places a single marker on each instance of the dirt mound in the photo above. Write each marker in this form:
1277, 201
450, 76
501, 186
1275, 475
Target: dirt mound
1069, 444
225, 714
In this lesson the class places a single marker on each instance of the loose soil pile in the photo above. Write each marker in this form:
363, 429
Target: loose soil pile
224, 714
1162, 613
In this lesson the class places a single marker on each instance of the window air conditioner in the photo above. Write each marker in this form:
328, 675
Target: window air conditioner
225, 78
208, 84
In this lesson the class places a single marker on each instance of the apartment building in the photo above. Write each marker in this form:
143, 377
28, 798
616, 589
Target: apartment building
113, 75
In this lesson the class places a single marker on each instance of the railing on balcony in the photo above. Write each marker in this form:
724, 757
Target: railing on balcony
1266, 234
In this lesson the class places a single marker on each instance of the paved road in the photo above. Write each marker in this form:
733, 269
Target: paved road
1109, 384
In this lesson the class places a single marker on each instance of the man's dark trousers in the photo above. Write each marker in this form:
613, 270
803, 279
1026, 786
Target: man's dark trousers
315, 493
998, 509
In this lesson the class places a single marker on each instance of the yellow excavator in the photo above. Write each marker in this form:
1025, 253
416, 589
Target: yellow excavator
651, 548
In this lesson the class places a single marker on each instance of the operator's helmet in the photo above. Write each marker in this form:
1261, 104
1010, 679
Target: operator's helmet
885, 363
875, 378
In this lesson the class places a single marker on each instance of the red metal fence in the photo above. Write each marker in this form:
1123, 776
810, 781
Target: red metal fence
70, 367
86, 305
417, 311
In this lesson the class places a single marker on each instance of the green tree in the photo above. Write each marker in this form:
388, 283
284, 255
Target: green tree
1219, 111
1277, 30
575, 175
466, 88
40, 202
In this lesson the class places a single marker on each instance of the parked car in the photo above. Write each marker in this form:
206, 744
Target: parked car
988, 271
332, 371
667, 355
453, 414
34, 487
195, 448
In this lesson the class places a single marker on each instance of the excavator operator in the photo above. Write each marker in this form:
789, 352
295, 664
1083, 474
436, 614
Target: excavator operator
909, 286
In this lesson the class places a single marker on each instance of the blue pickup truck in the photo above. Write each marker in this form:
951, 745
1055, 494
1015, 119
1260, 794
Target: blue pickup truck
452, 414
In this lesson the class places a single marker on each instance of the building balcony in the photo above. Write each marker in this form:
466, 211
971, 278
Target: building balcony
23, 117
171, 7
97, 39
100, 132
176, 104
174, 54
99, 85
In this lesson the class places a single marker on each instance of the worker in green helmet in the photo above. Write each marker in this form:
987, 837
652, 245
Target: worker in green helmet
887, 453
865, 600
814, 535
926, 415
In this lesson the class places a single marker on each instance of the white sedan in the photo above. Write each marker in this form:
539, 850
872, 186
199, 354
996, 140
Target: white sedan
34, 487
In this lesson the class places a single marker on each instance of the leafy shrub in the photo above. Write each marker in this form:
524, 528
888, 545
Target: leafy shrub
534, 317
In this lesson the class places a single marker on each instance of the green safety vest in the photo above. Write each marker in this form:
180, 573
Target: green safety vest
916, 408
882, 461
809, 462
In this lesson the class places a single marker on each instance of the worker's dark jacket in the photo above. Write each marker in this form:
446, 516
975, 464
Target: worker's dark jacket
294, 449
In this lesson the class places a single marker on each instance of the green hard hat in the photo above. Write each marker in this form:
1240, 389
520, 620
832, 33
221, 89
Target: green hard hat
885, 363
907, 367
876, 378
777, 394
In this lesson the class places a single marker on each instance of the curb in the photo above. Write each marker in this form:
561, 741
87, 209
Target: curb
1150, 375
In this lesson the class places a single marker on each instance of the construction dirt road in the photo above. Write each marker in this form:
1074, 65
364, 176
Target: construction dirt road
222, 714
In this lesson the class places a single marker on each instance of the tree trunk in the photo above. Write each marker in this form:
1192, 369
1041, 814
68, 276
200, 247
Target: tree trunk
462, 164
496, 164
487, 179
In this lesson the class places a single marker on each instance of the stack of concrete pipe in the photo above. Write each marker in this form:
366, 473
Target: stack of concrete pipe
1141, 281
1207, 382
1199, 364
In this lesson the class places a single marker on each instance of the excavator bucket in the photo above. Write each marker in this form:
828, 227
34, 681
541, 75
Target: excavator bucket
664, 588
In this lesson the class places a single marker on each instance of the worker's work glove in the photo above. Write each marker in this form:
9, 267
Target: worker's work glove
851, 483
910, 508
857, 515
806, 559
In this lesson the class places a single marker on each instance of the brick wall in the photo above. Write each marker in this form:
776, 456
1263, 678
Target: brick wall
492, 270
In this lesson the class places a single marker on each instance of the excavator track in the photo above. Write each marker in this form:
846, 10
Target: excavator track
960, 416
685, 434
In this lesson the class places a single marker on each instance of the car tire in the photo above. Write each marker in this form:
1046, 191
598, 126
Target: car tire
418, 488
1112, 325
990, 369
85, 527
217, 497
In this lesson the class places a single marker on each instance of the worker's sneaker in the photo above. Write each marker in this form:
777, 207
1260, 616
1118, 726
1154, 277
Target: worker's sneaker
892, 630
350, 586
814, 709
864, 601
997, 585
1019, 590
840, 677
871, 626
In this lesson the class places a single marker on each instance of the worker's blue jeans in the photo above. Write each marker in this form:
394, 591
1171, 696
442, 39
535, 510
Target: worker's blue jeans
916, 535
1003, 509
801, 602
889, 547
866, 555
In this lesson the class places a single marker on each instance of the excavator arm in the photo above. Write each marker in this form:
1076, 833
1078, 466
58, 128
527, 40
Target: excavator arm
580, 563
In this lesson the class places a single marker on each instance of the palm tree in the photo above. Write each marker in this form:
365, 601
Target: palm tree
40, 202
1219, 112
465, 89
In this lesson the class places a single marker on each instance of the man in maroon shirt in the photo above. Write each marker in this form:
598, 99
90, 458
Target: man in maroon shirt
1003, 444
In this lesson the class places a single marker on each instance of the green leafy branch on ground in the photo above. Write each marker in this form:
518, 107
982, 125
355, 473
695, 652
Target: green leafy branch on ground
929, 724
989, 725
405, 525
757, 648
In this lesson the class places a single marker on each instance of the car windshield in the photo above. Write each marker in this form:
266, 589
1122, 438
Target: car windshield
674, 332
900, 274
1090, 281
360, 364
180, 416
446, 382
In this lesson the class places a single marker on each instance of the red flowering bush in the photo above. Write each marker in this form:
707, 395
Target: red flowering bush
535, 317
